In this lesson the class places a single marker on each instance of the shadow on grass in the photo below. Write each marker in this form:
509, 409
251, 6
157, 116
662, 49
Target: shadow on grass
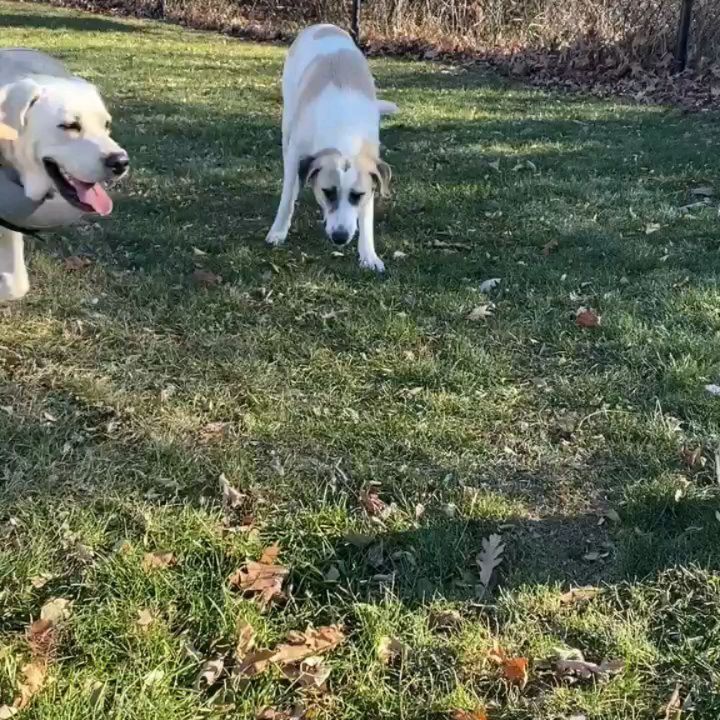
75, 23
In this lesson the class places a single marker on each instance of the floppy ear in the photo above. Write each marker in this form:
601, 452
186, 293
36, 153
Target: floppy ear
381, 176
307, 169
15, 102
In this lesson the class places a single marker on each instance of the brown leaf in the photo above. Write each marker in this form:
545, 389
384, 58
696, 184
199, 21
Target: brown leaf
245, 639
314, 641
371, 501
550, 247
41, 637
579, 594
390, 650
468, 715
33, 675
158, 561
480, 312
263, 579
253, 664
445, 620
582, 668
7, 712
75, 263
144, 619
587, 318
268, 713
210, 673
206, 279
232, 498
311, 672
515, 671
41, 580
213, 431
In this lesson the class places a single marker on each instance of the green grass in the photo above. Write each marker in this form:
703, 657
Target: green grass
330, 378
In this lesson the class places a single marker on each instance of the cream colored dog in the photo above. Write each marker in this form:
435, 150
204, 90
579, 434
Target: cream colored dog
331, 138
63, 145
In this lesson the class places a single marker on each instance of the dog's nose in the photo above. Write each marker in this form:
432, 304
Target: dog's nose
340, 237
118, 162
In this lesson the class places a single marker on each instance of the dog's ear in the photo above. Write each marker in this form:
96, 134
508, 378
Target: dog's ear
15, 102
381, 175
307, 169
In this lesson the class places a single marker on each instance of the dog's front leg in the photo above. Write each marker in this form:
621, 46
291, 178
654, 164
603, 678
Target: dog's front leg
290, 189
13, 273
366, 240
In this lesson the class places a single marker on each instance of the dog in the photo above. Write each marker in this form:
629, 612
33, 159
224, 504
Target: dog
58, 142
331, 139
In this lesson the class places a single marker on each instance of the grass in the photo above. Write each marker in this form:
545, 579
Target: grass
328, 378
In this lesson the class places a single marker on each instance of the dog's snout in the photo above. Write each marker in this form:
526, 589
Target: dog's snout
340, 237
118, 162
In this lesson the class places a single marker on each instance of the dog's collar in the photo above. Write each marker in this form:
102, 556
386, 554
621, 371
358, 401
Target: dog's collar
16, 228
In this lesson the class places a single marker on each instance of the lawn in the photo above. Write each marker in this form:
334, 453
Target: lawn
376, 428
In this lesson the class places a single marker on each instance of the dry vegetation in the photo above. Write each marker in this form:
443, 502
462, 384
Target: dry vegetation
608, 46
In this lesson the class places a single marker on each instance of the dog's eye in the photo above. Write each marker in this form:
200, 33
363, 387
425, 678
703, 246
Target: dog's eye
356, 197
330, 194
73, 126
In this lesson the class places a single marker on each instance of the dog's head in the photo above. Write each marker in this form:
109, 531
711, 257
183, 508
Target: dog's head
342, 185
63, 142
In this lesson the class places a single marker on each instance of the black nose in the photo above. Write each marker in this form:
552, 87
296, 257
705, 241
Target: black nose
118, 162
340, 237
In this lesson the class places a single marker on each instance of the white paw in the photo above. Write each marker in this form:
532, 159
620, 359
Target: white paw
275, 238
372, 262
13, 287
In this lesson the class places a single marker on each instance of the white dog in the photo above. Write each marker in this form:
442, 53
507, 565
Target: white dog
331, 138
63, 144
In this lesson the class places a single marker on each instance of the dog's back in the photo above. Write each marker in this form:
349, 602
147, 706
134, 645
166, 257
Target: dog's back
19, 63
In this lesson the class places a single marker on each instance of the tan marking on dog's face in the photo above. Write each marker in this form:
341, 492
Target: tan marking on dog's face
327, 31
342, 186
345, 69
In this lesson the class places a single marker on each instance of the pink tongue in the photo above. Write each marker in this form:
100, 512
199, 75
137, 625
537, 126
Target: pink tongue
94, 196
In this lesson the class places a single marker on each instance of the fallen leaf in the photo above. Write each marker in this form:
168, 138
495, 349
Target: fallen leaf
444, 620
268, 713
253, 664
41, 638
153, 677
550, 247
399, 255
612, 515
206, 279
245, 639
487, 285
198, 252
390, 650
594, 555
7, 712
209, 673
41, 580
232, 498
490, 557
587, 317
55, 610
481, 312
673, 707
704, 191
144, 619
213, 430
694, 458
75, 263
573, 663
158, 561
264, 579
468, 715
311, 672
651, 228
451, 245
713, 389
515, 671
371, 501
33, 679
314, 641
332, 575
579, 594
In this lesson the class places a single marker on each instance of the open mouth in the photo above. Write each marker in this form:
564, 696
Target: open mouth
89, 197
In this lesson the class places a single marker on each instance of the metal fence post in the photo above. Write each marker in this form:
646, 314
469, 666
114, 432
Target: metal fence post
681, 49
356, 21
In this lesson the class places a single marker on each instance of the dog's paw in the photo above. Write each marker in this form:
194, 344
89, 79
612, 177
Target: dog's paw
13, 287
275, 238
373, 262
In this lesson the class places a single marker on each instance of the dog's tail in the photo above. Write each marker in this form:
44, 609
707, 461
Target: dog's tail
387, 108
